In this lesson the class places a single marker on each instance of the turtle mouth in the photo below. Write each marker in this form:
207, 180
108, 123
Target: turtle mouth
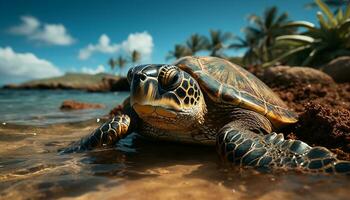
151, 111
162, 118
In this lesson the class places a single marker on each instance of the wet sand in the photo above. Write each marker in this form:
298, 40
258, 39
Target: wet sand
31, 168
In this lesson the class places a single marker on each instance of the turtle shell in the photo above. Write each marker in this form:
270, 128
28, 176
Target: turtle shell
228, 83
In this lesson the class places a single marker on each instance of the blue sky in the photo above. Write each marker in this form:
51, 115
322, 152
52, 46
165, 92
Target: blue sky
60, 31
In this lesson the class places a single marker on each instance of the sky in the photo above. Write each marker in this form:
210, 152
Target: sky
40, 38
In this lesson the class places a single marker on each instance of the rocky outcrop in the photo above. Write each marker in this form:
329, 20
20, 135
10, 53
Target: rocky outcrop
111, 83
76, 105
339, 69
75, 81
287, 76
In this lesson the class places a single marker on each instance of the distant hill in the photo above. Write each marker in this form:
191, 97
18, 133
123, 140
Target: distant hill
97, 83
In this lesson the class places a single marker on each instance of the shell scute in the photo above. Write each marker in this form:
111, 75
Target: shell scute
225, 82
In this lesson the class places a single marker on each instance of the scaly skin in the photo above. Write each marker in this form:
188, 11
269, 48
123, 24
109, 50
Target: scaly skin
244, 147
104, 136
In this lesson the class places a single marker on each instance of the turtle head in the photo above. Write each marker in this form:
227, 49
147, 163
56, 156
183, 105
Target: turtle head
166, 96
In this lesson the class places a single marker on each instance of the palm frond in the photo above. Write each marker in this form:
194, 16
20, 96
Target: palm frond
325, 9
298, 24
285, 55
282, 18
269, 16
297, 38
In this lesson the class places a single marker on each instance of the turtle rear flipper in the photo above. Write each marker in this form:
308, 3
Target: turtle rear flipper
106, 135
247, 148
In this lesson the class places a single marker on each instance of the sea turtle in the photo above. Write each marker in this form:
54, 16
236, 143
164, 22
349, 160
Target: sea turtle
209, 100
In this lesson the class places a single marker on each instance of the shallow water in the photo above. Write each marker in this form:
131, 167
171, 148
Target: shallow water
137, 168
41, 107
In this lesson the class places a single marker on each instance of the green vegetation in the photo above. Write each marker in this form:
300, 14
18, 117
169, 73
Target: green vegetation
216, 45
121, 61
273, 38
196, 43
259, 40
112, 63
74, 80
331, 3
260, 37
218, 42
178, 52
193, 45
135, 57
318, 44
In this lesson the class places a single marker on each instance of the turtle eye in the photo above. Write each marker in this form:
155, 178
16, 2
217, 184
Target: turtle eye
169, 78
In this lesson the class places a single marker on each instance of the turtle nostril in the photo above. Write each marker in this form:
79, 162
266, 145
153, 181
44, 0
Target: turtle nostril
142, 77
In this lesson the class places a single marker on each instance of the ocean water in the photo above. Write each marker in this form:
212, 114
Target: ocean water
34, 129
41, 107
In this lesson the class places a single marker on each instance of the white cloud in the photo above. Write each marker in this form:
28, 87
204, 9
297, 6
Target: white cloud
53, 34
29, 25
98, 69
24, 66
142, 42
103, 46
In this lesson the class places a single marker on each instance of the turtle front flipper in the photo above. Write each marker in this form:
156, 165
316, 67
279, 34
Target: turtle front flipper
247, 148
106, 135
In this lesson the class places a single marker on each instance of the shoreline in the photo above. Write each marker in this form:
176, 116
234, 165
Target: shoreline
75, 81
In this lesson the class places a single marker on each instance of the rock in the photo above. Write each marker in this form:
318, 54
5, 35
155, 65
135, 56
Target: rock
287, 76
116, 83
339, 69
10, 86
121, 85
111, 83
76, 105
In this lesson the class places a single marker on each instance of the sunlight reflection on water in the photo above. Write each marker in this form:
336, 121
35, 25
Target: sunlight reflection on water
138, 168
31, 168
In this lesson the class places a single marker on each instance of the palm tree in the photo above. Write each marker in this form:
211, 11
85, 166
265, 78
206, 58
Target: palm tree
318, 45
112, 63
135, 56
196, 43
331, 3
249, 42
218, 42
179, 51
261, 35
121, 62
